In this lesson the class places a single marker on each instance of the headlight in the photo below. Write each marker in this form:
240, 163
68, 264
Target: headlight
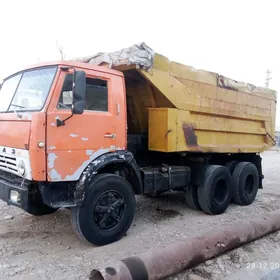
21, 168
15, 196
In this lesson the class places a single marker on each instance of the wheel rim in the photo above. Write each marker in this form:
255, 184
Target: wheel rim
108, 210
220, 191
249, 184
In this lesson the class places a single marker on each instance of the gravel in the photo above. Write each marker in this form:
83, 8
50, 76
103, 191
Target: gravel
47, 248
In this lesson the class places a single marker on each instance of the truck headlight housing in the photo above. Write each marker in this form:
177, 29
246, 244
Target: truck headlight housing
21, 168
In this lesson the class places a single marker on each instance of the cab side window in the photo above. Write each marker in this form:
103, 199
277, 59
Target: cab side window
65, 100
96, 98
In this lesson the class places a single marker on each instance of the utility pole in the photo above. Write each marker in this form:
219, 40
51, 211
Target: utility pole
60, 49
268, 78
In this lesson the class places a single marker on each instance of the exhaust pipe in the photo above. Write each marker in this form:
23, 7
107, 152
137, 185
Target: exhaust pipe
174, 258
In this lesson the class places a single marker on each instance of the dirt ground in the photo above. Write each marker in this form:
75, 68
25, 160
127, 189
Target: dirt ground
47, 248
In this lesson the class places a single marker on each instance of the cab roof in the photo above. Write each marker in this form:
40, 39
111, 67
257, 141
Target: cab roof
71, 63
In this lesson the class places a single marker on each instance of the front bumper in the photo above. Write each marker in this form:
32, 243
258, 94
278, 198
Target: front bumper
6, 186
35, 196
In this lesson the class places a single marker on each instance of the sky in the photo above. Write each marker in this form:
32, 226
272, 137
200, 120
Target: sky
238, 39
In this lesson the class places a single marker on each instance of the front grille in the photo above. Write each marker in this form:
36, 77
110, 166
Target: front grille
12, 179
8, 163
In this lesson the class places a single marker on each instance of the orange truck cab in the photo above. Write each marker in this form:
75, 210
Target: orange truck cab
69, 138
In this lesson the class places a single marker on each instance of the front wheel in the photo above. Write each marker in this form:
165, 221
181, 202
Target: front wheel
107, 212
40, 210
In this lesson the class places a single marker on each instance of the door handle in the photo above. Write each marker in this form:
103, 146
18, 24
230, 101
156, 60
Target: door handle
109, 135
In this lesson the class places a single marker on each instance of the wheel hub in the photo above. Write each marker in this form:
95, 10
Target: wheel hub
108, 210
220, 194
249, 184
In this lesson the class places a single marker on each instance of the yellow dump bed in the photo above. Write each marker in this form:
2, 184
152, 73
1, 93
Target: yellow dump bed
184, 109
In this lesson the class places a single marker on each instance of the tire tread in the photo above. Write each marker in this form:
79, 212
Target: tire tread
204, 190
191, 197
82, 228
238, 197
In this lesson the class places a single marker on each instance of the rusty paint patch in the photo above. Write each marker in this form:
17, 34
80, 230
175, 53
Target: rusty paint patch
190, 136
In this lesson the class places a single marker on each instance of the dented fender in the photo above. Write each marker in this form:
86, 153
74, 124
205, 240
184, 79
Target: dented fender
101, 162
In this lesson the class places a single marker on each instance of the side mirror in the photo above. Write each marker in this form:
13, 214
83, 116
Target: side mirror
79, 92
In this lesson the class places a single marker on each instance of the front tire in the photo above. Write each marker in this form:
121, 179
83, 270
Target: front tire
215, 193
107, 212
40, 210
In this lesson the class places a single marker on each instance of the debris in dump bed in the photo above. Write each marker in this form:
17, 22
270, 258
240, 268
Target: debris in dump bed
138, 54
143, 56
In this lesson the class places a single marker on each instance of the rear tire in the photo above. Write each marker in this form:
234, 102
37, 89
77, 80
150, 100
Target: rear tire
107, 212
231, 165
191, 197
215, 194
245, 183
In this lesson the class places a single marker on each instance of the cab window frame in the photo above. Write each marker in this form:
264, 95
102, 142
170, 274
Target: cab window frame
106, 81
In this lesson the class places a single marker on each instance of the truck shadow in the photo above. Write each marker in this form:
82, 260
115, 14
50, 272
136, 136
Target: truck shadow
157, 209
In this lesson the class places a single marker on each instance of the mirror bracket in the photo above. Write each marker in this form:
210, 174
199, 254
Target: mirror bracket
60, 122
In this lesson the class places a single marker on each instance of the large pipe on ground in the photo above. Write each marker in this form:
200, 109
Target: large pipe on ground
174, 258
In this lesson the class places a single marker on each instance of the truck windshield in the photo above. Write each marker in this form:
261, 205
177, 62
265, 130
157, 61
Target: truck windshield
26, 91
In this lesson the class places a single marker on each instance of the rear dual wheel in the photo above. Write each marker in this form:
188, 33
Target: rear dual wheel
215, 193
191, 196
245, 179
236, 181
231, 165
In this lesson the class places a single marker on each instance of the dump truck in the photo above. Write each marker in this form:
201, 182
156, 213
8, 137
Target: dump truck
91, 133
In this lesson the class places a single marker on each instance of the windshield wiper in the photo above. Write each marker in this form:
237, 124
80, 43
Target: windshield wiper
19, 106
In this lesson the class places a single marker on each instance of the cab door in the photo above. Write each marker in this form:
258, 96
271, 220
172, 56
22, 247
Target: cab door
83, 138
